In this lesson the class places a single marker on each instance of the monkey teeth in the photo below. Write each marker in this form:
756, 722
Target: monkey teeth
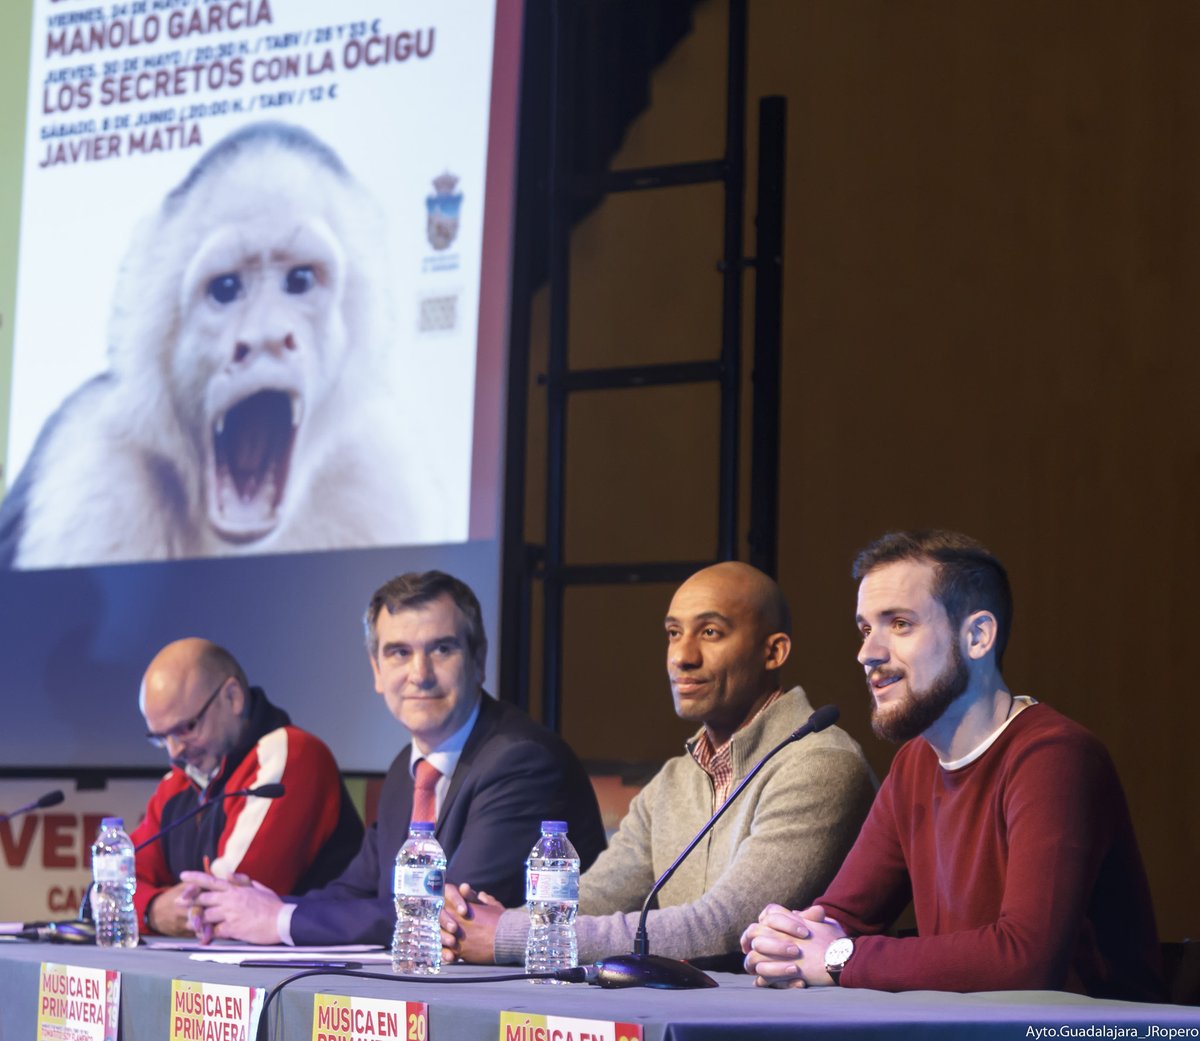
252, 444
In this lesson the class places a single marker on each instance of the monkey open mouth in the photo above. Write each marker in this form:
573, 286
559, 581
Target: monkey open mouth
251, 455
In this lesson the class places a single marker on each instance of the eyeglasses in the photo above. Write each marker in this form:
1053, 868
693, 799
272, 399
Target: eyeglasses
188, 726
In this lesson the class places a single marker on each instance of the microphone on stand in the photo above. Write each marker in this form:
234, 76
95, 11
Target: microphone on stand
46, 930
643, 969
69, 932
263, 791
49, 799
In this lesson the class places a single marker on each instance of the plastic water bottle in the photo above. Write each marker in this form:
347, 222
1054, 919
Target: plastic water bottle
419, 889
552, 895
114, 879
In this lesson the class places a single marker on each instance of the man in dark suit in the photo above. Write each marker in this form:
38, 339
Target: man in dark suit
484, 770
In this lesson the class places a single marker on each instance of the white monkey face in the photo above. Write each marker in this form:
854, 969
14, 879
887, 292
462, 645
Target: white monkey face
260, 341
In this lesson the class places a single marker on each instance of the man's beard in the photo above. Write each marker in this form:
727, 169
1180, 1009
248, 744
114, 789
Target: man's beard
910, 718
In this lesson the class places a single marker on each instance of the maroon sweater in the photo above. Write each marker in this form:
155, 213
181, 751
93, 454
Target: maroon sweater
1022, 868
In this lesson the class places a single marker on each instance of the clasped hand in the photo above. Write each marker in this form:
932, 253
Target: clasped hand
469, 925
236, 908
787, 948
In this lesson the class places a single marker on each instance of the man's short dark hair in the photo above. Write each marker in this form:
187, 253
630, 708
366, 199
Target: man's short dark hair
967, 577
414, 589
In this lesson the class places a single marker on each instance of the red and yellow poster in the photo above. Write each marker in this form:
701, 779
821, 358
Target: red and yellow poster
214, 1011
520, 1026
337, 1017
78, 1004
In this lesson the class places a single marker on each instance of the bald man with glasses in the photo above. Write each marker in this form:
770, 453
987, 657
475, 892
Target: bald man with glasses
223, 735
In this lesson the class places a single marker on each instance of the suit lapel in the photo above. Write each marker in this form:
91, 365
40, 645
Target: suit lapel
485, 726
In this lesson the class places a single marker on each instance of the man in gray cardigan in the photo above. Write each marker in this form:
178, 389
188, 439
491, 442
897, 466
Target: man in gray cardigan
728, 636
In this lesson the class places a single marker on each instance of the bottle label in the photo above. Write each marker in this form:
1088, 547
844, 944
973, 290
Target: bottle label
112, 867
542, 884
419, 881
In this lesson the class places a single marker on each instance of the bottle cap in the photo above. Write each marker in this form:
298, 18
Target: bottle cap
554, 827
423, 827
112, 822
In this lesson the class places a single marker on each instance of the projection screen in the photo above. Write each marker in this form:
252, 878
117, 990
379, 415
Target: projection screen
254, 292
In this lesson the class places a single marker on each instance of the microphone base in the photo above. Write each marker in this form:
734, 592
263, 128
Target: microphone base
647, 970
72, 931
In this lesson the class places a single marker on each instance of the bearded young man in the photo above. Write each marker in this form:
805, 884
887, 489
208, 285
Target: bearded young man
1001, 820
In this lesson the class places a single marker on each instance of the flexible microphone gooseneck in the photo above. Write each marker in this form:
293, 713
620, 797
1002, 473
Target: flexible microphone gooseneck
49, 799
263, 791
46, 931
643, 969
82, 930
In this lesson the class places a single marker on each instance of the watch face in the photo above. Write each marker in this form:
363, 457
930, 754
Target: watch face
838, 953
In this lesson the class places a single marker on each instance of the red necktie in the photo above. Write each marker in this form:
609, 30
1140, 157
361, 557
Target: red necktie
424, 806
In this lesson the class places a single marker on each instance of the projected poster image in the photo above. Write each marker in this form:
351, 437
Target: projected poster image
249, 279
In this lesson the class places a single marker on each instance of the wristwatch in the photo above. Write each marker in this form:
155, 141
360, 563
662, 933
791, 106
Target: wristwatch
836, 956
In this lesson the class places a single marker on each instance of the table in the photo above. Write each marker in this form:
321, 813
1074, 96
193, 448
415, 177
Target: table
735, 1010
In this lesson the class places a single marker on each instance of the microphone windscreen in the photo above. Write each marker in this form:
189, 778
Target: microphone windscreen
267, 791
50, 799
823, 717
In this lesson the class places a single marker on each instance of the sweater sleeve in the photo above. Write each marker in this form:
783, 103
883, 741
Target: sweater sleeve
624, 872
1049, 839
274, 840
153, 875
872, 885
618, 881
806, 815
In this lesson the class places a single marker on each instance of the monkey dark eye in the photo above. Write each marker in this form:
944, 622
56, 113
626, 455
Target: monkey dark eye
300, 279
225, 289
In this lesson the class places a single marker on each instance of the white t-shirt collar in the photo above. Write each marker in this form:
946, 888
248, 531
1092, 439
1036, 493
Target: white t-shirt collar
1020, 703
